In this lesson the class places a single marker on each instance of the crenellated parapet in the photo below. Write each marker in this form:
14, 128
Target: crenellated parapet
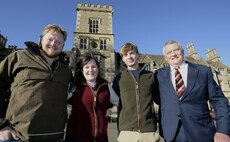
191, 51
97, 7
212, 55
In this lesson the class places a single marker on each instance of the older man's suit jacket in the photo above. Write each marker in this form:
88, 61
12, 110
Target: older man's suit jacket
192, 109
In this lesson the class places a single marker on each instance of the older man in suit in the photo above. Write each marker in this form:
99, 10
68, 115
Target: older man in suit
184, 90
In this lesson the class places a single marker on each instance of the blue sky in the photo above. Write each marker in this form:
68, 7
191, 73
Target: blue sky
147, 23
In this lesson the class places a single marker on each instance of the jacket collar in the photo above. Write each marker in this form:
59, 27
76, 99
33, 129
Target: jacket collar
191, 80
141, 65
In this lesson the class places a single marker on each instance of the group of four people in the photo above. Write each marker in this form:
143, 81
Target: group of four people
33, 94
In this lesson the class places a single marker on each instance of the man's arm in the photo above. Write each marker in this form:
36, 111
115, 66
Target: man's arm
3, 106
6, 69
115, 84
4, 98
219, 103
156, 93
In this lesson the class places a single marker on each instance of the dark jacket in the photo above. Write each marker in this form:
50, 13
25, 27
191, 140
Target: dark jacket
192, 109
37, 98
88, 121
136, 110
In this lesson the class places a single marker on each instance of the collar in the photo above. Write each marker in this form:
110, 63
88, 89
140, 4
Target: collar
131, 69
182, 65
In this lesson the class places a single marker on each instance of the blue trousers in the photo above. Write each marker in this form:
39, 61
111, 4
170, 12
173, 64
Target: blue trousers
180, 135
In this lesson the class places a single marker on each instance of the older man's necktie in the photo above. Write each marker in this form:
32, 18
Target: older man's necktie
180, 87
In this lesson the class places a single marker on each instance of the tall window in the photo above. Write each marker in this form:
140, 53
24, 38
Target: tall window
103, 44
93, 25
83, 43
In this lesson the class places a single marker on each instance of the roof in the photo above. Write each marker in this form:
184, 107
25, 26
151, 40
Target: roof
159, 60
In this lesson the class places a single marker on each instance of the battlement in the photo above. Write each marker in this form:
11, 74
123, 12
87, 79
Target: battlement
97, 7
190, 47
191, 51
212, 55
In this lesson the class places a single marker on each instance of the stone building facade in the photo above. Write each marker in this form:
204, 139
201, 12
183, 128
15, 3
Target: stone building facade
221, 72
94, 35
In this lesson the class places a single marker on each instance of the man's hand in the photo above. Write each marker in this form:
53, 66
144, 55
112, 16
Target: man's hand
220, 137
7, 133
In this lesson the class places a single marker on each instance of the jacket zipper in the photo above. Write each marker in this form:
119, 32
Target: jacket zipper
94, 110
137, 101
52, 72
95, 115
138, 107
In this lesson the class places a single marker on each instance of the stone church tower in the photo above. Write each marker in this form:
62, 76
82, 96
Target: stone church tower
94, 35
